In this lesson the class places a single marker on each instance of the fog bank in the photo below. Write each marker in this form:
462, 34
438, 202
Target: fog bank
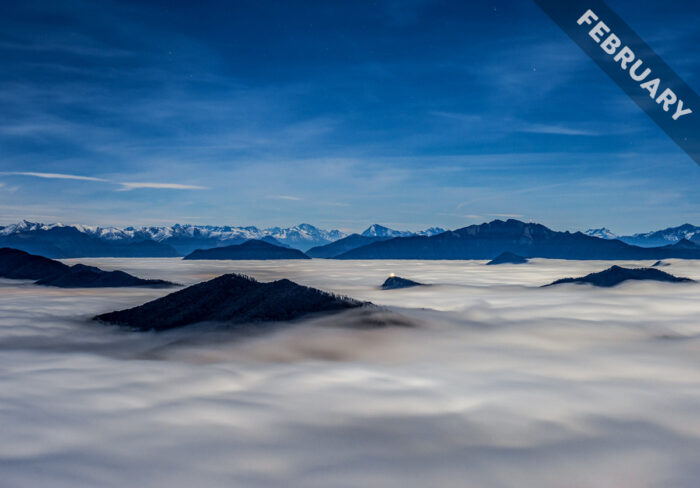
494, 383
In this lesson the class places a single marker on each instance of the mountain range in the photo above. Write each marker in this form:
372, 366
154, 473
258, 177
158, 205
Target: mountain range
529, 240
182, 239
377, 230
655, 238
72, 242
484, 241
66, 241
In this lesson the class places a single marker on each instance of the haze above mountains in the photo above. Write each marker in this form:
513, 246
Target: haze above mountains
484, 241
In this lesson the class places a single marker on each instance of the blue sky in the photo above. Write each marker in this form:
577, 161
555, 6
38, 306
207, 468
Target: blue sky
408, 113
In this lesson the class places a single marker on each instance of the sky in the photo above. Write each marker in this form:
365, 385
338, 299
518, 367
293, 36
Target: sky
411, 114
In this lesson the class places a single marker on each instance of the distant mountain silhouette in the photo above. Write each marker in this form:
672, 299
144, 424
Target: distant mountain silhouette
253, 249
507, 258
683, 244
233, 299
486, 241
395, 282
343, 245
274, 242
16, 264
616, 275
69, 242
185, 245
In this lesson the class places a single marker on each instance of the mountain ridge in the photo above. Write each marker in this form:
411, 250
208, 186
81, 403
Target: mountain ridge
21, 265
529, 240
654, 238
67, 241
163, 241
253, 249
232, 299
615, 275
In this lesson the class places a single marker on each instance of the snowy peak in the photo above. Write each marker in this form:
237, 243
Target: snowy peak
664, 237
27, 226
432, 231
673, 234
377, 230
603, 233
655, 238
303, 236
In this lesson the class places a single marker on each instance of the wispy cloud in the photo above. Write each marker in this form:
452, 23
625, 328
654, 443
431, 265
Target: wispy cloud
509, 216
557, 130
159, 186
123, 186
284, 197
53, 176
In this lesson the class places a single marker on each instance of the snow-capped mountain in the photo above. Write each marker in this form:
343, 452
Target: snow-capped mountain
664, 237
655, 238
432, 231
603, 233
180, 238
303, 236
185, 237
377, 230
26, 226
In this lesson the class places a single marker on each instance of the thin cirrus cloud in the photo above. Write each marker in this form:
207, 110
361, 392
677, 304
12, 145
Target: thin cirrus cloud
123, 186
557, 130
159, 186
284, 197
53, 176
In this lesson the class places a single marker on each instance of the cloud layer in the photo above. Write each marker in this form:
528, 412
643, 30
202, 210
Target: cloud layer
501, 384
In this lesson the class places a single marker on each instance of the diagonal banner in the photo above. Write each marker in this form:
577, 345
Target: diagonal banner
633, 65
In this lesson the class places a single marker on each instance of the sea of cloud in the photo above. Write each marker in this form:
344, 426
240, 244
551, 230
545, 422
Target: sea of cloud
487, 380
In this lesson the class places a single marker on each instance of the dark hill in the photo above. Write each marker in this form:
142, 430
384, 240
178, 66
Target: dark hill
69, 242
395, 282
81, 276
190, 243
343, 245
273, 241
616, 275
20, 265
233, 299
508, 258
185, 245
252, 249
488, 240
16, 264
